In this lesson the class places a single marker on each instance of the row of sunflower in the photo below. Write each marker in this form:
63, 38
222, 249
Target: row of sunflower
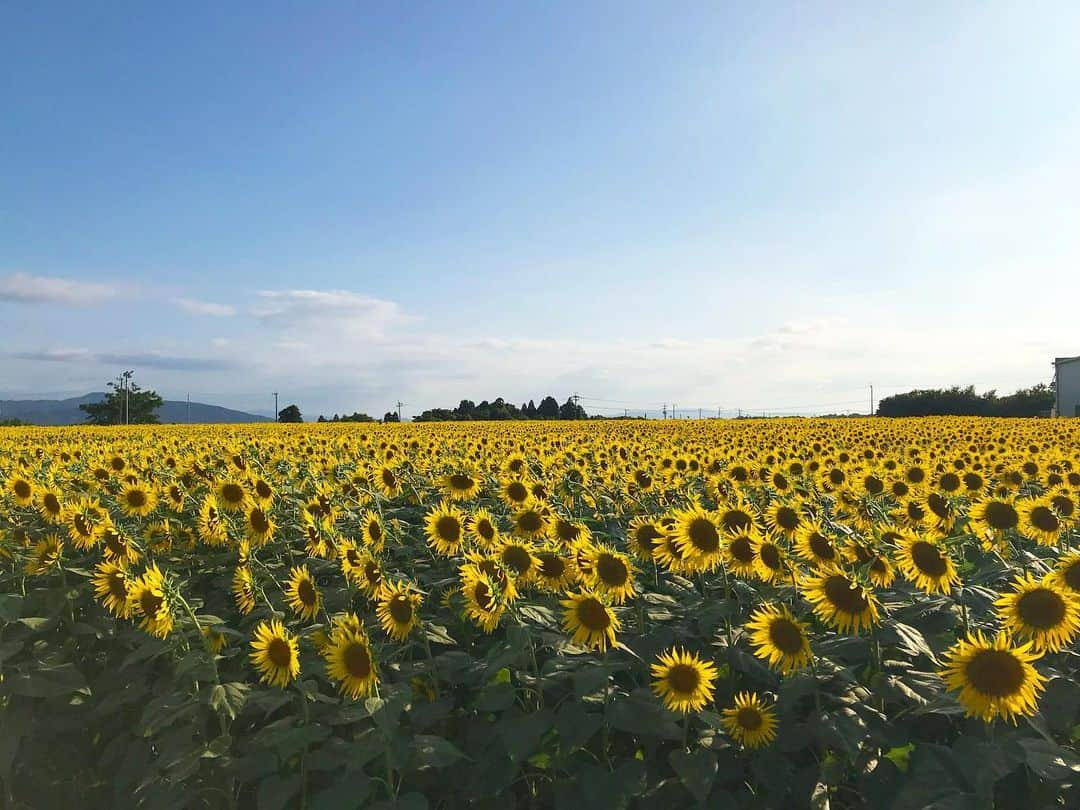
687, 609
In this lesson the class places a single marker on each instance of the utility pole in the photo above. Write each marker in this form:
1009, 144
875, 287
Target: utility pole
399, 404
665, 410
625, 412
699, 413
871, 399
189, 408
125, 381
277, 413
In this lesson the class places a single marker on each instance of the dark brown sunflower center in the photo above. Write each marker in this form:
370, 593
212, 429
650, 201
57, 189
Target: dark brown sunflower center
1041, 608
372, 572
530, 521
1044, 519
821, 546
928, 559
703, 535
845, 596
448, 528
749, 719
306, 592
780, 481
259, 521
611, 570
357, 660
150, 603
874, 485
517, 559
938, 505
461, 482
81, 525
552, 566
785, 636
485, 529
232, 493
136, 498
517, 491
262, 489
770, 556
593, 614
995, 673
642, 479
118, 585
735, 520
1072, 576
352, 556
950, 482
401, 609
52, 503
741, 550
836, 477
389, 479
1001, 516
279, 652
566, 531
787, 518
683, 679
1064, 505
483, 596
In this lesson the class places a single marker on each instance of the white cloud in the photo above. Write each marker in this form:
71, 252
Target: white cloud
328, 312
205, 307
27, 288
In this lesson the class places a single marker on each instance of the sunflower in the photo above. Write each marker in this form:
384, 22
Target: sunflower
750, 722
779, 638
484, 603
214, 639
612, 574
137, 500
386, 480
368, 574
50, 506
445, 528
262, 491
211, 523
398, 607
86, 522
111, 588
517, 557
814, 545
683, 680
926, 563
841, 602
589, 620
1039, 521
770, 561
275, 654
460, 486
1040, 611
735, 516
738, 551
118, 546
531, 521
21, 489
259, 525
175, 495
1066, 574
243, 589
349, 659
481, 529
45, 554
993, 678
643, 536
554, 572
373, 535
994, 516
301, 594
515, 492
784, 517
230, 495
875, 564
697, 534
148, 600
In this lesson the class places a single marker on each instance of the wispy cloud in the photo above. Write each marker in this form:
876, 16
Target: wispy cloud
205, 307
155, 360
31, 289
355, 314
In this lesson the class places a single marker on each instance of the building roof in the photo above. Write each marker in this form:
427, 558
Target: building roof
1061, 361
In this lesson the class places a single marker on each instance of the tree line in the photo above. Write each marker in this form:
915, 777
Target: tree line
956, 401
500, 409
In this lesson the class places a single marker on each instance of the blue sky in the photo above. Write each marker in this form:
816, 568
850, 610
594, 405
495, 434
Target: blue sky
712, 204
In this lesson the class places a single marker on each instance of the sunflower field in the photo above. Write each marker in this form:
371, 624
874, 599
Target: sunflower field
730, 614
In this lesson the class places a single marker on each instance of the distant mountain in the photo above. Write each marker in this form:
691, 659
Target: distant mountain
66, 411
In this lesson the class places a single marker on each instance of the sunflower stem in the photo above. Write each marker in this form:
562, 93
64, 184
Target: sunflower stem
431, 662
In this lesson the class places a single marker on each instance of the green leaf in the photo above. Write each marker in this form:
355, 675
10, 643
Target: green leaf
229, 698
900, 756
435, 752
575, 726
1050, 760
521, 733
349, 791
47, 682
496, 697
697, 770
276, 791
642, 714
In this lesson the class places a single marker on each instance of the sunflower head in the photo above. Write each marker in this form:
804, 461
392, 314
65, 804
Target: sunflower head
750, 721
683, 680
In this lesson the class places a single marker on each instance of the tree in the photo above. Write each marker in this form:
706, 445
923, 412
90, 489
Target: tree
391, 416
290, 413
957, 401
530, 410
548, 408
124, 403
571, 410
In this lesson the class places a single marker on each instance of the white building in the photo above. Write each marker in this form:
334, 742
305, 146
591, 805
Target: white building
1067, 380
